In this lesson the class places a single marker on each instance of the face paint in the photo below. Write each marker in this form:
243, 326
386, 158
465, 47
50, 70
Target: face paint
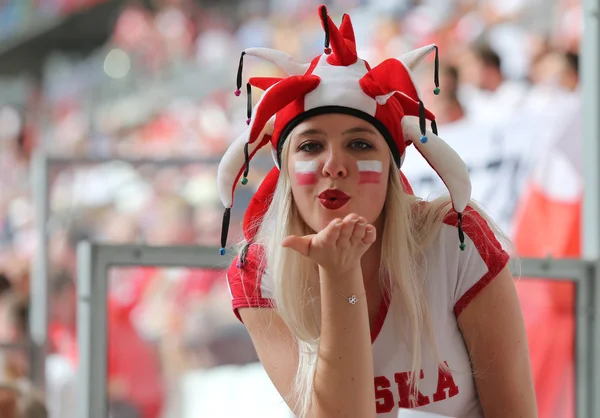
370, 171
306, 172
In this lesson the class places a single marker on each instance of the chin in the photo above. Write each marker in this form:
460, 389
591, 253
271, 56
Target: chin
321, 223
320, 220
326, 216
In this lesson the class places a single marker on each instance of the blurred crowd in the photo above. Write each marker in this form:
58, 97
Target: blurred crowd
162, 89
17, 17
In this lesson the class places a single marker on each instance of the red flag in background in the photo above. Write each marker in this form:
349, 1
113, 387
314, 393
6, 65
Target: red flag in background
548, 224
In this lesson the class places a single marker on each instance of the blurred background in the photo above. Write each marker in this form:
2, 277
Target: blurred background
132, 101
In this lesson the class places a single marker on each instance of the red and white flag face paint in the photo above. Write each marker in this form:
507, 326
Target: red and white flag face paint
370, 171
306, 172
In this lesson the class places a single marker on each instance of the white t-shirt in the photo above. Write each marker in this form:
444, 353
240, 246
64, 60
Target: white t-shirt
493, 107
454, 279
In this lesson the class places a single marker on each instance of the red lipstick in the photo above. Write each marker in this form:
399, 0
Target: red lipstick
333, 199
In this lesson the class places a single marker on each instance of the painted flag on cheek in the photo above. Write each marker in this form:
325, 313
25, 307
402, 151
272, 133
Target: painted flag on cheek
306, 172
370, 171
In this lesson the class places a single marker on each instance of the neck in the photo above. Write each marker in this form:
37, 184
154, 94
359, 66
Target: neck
452, 112
570, 84
493, 82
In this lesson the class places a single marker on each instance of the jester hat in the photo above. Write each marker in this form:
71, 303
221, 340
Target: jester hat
337, 81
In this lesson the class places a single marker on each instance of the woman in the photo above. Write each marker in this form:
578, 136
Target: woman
358, 296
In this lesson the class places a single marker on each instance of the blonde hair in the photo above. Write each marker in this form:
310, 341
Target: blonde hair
409, 227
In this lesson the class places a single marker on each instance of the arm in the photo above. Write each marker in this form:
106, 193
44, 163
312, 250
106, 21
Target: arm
275, 347
494, 332
343, 384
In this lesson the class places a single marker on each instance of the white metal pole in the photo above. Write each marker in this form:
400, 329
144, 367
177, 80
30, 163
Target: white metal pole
590, 73
92, 337
38, 319
85, 341
93, 264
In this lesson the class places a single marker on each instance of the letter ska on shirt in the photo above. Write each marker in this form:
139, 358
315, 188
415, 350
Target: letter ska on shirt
392, 390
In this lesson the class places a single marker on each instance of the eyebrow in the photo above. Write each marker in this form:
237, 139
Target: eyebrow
359, 130
355, 130
311, 131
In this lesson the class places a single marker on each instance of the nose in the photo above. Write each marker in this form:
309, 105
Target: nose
335, 166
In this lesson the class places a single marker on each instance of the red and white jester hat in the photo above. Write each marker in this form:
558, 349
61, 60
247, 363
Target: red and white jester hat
337, 81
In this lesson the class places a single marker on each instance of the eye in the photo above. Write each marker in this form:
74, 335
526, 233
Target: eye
360, 144
310, 147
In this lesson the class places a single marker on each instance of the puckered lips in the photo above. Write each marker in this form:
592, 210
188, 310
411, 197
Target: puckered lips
333, 199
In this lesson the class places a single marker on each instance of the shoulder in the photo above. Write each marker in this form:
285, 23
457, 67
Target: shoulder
247, 281
483, 258
249, 261
477, 230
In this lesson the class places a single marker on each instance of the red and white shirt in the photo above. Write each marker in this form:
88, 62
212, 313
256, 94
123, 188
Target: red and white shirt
454, 278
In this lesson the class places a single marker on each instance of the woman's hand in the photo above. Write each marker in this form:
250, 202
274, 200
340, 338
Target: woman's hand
339, 247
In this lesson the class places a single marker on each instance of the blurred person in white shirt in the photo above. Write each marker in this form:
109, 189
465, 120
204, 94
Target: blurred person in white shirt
478, 143
490, 97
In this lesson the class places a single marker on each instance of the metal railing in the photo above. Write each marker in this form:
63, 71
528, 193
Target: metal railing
95, 261
41, 168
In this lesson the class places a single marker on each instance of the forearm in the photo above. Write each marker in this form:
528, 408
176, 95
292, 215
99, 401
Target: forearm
343, 385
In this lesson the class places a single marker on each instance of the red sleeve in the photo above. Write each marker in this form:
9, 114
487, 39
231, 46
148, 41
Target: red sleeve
248, 284
480, 262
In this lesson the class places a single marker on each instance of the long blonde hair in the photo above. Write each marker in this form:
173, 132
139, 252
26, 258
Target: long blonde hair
409, 227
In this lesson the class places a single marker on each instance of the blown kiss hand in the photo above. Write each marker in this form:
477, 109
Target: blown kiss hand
339, 247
